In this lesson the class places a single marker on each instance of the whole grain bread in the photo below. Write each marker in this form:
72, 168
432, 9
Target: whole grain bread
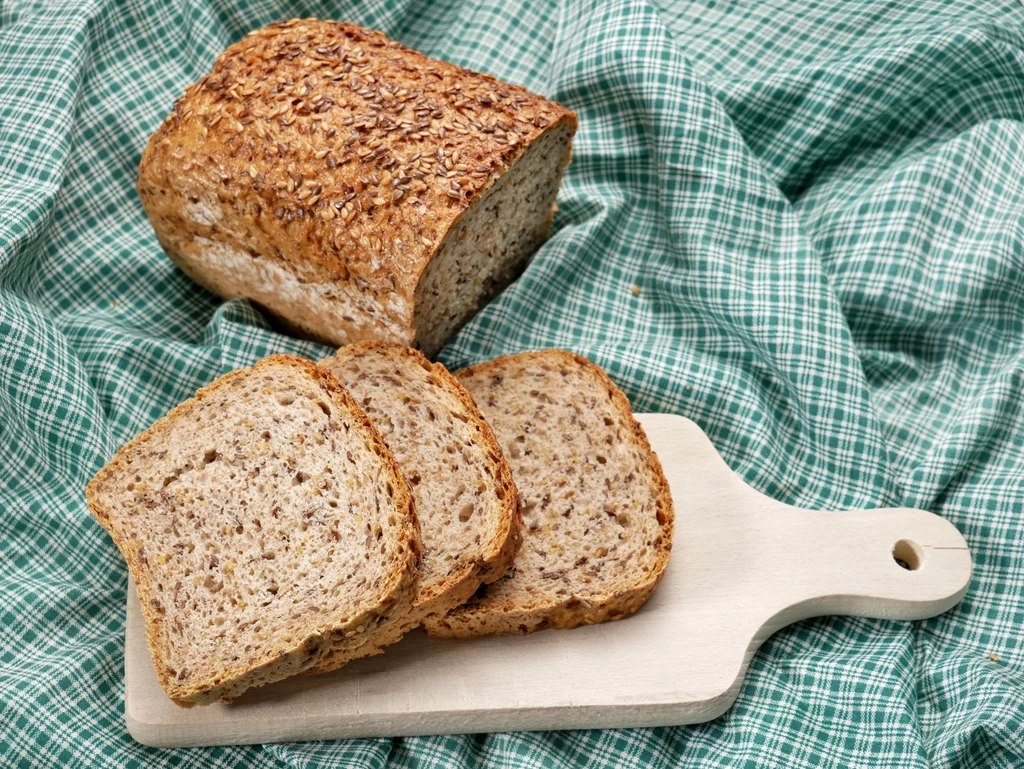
265, 523
352, 187
466, 502
597, 512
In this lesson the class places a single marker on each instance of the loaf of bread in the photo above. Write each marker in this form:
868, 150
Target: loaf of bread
353, 188
465, 500
266, 524
597, 511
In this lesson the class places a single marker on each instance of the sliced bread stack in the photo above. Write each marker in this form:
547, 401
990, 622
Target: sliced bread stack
274, 523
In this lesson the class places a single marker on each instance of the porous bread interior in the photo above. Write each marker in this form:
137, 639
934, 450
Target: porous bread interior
264, 517
430, 431
591, 527
489, 246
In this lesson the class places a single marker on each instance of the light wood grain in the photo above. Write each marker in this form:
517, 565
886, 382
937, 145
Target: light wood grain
743, 567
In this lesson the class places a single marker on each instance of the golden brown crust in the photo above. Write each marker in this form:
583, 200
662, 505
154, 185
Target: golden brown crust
337, 152
306, 651
573, 611
459, 586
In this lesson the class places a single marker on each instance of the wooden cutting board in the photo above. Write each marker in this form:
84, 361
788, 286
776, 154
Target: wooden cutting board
743, 566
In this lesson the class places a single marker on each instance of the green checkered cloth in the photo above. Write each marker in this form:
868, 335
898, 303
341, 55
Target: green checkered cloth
822, 206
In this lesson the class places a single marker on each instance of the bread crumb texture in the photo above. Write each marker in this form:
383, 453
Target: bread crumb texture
597, 512
263, 521
466, 502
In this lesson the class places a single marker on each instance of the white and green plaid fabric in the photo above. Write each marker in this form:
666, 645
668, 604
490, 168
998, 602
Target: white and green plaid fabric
822, 204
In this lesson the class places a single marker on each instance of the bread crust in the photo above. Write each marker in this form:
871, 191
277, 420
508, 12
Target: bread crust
305, 652
573, 611
458, 587
285, 152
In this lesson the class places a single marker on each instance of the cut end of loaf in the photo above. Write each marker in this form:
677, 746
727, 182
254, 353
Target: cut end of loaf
597, 511
263, 520
489, 246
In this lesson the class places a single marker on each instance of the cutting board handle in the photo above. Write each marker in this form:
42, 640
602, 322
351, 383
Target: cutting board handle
890, 563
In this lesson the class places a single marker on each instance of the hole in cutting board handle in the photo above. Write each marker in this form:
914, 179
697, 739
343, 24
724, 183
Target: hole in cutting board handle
907, 554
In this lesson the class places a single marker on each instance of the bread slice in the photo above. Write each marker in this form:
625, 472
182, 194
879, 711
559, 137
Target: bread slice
466, 502
265, 522
354, 188
597, 511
